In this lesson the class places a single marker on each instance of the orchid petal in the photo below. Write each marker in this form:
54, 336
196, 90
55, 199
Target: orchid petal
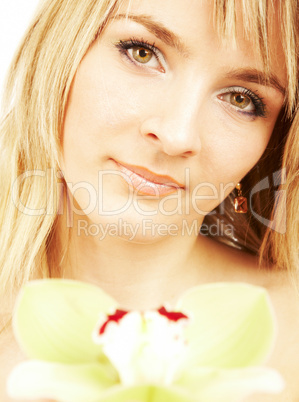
232, 325
81, 383
230, 385
147, 393
62, 382
54, 320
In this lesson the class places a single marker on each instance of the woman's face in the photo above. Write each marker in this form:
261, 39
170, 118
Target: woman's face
158, 101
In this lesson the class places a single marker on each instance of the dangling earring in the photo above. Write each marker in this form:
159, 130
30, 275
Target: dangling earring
240, 202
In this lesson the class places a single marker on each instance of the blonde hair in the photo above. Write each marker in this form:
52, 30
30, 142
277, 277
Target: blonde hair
34, 104
276, 244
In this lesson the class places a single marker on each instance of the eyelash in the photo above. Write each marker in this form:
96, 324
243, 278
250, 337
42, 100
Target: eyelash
124, 46
259, 105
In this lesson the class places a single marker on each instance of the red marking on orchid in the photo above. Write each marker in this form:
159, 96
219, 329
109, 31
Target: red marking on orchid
172, 315
115, 317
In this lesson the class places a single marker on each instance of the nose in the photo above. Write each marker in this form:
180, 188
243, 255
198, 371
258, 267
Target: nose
174, 125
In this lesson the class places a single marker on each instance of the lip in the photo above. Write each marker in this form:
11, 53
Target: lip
147, 182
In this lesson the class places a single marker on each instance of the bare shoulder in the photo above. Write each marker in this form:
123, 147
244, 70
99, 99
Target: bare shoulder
238, 265
233, 264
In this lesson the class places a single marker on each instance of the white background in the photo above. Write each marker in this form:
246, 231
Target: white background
14, 19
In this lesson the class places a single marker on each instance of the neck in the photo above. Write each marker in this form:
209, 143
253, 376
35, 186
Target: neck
138, 273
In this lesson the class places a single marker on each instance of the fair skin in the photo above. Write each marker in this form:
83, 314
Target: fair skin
176, 114
190, 114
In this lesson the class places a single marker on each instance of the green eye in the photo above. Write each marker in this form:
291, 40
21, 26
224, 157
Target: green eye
240, 100
142, 55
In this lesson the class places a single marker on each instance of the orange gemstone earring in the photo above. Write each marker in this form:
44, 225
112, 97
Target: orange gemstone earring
240, 202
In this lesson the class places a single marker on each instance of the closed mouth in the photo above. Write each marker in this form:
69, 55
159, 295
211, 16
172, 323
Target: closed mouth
147, 182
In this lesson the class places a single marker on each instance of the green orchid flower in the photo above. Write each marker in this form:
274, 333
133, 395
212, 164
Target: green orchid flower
84, 348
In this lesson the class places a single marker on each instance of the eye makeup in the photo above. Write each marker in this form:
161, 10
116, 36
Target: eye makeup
254, 105
259, 107
133, 43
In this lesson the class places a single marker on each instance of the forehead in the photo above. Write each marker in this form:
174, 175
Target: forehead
194, 22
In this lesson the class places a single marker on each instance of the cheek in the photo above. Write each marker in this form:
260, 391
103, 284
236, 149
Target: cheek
230, 152
224, 160
99, 111
96, 105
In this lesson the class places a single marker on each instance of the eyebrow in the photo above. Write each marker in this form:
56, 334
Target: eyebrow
258, 77
158, 29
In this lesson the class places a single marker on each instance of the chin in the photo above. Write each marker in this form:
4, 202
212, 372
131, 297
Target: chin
127, 227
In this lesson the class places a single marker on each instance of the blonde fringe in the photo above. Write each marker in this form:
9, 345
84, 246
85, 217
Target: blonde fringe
255, 21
